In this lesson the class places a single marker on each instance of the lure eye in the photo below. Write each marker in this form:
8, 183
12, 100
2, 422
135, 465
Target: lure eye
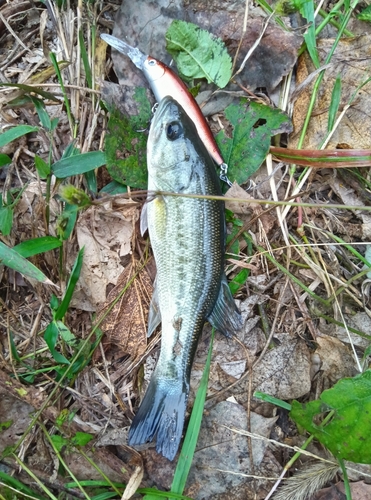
151, 62
173, 131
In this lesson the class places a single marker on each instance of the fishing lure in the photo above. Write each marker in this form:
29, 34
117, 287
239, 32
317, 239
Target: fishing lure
164, 82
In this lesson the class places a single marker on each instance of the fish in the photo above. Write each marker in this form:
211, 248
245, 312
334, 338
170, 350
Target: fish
163, 82
188, 242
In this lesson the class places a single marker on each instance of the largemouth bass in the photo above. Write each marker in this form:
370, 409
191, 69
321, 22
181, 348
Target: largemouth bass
188, 241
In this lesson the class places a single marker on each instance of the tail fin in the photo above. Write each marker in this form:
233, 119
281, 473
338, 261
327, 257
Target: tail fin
161, 413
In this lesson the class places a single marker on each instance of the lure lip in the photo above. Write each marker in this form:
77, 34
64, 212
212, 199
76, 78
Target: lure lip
137, 57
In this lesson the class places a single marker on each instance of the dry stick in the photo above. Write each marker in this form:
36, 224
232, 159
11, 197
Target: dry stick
37, 85
256, 43
272, 184
300, 451
269, 339
307, 174
9, 28
342, 318
244, 27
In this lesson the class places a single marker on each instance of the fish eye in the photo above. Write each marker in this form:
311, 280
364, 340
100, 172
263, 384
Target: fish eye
173, 130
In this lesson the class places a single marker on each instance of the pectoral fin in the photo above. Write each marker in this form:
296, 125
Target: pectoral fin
143, 220
154, 315
225, 316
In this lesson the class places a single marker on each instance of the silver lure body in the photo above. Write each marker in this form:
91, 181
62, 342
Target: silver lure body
188, 238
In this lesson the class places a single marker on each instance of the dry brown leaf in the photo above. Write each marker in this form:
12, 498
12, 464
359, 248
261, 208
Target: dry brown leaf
134, 483
106, 234
125, 327
284, 371
337, 360
359, 321
359, 491
351, 62
267, 220
350, 197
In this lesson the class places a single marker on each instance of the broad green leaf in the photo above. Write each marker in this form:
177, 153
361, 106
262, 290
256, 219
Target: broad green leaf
37, 245
59, 441
348, 434
6, 220
113, 188
71, 150
239, 280
14, 133
66, 335
78, 164
253, 126
43, 168
198, 54
11, 258
51, 335
67, 221
41, 111
75, 274
91, 180
82, 438
4, 160
126, 147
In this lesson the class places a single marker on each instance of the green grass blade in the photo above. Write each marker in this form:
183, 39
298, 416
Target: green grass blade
31, 88
152, 493
94, 483
12, 259
85, 60
307, 11
273, 400
65, 96
22, 488
75, 274
190, 440
14, 133
78, 164
105, 495
291, 276
334, 104
35, 246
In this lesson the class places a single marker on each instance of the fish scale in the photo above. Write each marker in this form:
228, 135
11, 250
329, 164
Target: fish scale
187, 238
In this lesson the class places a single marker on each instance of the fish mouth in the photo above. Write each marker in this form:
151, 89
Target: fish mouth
168, 106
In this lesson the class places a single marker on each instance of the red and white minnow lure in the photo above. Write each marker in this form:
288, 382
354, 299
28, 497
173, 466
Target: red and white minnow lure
164, 82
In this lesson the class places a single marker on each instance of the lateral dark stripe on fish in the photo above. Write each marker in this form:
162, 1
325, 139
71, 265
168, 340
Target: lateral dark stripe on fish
188, 238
